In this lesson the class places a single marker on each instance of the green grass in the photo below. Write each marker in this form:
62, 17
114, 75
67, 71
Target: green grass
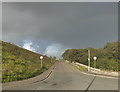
20, 64
81, 68
108, 57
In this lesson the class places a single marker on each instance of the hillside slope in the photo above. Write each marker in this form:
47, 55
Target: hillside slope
19, 63
107, 56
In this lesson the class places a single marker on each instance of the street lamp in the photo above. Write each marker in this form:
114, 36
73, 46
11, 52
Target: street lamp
88, 60
95, 58
41, 58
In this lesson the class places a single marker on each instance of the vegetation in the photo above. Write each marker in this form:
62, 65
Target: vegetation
108, 58
19, 63
81, 68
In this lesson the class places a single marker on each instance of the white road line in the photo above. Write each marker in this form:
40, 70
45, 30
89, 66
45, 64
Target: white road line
99, 75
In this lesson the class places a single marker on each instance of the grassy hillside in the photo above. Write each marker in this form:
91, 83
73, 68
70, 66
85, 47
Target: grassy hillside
107, 56
19, 63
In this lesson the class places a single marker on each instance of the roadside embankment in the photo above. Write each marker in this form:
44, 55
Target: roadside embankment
84, 68
38, 78
20, 64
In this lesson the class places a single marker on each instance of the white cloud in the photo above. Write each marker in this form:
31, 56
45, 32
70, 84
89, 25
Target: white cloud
55, 50
28, 46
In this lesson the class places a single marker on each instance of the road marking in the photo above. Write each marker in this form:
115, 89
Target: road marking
90, 84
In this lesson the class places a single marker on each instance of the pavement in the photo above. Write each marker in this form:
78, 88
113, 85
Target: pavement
64, 76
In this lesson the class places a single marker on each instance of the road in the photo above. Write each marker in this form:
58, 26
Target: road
66, 77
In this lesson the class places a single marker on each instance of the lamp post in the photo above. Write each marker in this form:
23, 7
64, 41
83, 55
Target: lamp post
41, 58
95, 58
88, 60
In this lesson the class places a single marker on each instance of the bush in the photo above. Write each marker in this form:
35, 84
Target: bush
19, 63
107, 56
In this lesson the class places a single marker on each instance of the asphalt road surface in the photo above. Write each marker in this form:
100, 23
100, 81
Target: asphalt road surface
66, 77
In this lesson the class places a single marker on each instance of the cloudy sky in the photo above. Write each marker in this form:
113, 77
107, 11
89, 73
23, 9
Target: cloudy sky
50, 28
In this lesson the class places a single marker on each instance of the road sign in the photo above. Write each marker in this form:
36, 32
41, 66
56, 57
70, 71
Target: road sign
41, 57
95, 58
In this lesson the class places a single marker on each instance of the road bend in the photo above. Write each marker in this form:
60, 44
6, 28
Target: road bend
66, 77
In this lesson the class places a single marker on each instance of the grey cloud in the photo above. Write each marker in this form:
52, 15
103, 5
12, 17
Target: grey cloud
73, 25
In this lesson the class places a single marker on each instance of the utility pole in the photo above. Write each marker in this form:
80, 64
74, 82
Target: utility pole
88, 60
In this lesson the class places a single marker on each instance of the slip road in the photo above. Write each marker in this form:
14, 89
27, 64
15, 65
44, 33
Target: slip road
66, 77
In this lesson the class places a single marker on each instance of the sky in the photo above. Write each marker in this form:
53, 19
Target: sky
52, 27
